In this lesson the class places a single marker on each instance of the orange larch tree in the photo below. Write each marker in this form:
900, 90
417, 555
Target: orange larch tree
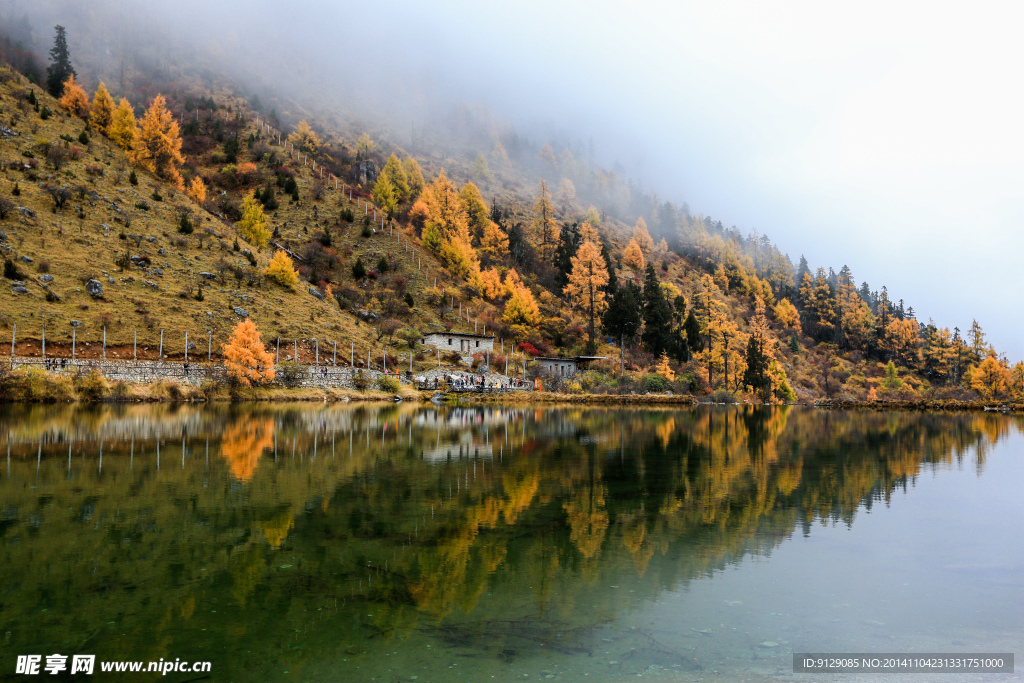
245, 358
159, 143
74, 98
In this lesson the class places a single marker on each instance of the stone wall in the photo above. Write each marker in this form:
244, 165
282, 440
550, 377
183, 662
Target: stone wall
144, 371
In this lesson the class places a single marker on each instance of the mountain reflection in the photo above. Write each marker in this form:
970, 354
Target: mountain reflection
184, 531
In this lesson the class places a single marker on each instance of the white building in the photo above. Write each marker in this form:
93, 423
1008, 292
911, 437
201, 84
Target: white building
565, 367
464, 343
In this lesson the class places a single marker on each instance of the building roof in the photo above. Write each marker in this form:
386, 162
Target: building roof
459, 334
574, 359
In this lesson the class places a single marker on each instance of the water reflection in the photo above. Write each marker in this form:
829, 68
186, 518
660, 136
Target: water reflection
272, 539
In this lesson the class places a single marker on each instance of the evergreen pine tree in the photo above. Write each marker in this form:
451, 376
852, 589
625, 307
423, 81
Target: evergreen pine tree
622, 318
657, 332
60, 63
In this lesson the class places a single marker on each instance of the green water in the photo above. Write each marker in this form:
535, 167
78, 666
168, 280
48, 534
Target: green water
401, 543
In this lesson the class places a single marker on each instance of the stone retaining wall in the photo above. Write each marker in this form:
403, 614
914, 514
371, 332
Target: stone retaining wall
144, 372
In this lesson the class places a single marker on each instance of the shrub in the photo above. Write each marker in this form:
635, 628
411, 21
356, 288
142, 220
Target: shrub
358, 269
11, 271
655, 383
360, 380
367, 231
83, 137
92, 387
389, 384
132, 178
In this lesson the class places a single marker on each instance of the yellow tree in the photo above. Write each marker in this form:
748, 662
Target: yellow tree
641, 236
476, 211
787, 315
280, 270
495, 242
1017, 379
901, 340
102, 114
521, 310
989, 378
123, 131
197, 190
545, 228
396, 174
304, 139
158, 146
548, 154
414, 177
763, 374
587, 279
490, 284
633, 256
253, 226
74, 98
446, 231
245, 359
386, 194
663, 368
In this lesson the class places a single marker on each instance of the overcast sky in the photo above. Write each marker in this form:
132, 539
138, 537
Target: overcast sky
885, 136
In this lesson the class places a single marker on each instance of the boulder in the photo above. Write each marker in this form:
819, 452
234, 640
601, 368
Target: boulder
317, 293
239, 311
365, 172
94, 288
26, 259
46, 278
208, 276
20, 290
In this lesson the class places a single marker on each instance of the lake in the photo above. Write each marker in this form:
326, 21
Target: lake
416, 543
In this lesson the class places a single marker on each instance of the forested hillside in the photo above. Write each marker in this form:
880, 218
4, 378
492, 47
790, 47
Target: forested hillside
193, 204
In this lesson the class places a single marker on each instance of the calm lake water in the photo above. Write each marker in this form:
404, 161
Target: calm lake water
411, 543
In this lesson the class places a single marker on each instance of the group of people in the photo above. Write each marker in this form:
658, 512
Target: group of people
54, 364
477, 383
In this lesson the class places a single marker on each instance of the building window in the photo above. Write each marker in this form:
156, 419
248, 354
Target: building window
449, 341
478, 345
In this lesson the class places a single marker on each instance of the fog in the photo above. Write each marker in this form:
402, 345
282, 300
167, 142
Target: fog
885, 137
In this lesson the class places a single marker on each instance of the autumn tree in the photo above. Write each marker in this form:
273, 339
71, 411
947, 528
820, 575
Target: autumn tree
446, 230
123, 131
480, 167
763, 374
414, 177
495, 242
397, 176
197, 190
641, 236
587, 279
304, 139
158, 146
545, 228
633, 256
245, 359
281, 271
786, 314
521, 310
990, 378
253, 226
102, 114
477, 213
489, 282
74, 98
386, 195
60, 68
664, 369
